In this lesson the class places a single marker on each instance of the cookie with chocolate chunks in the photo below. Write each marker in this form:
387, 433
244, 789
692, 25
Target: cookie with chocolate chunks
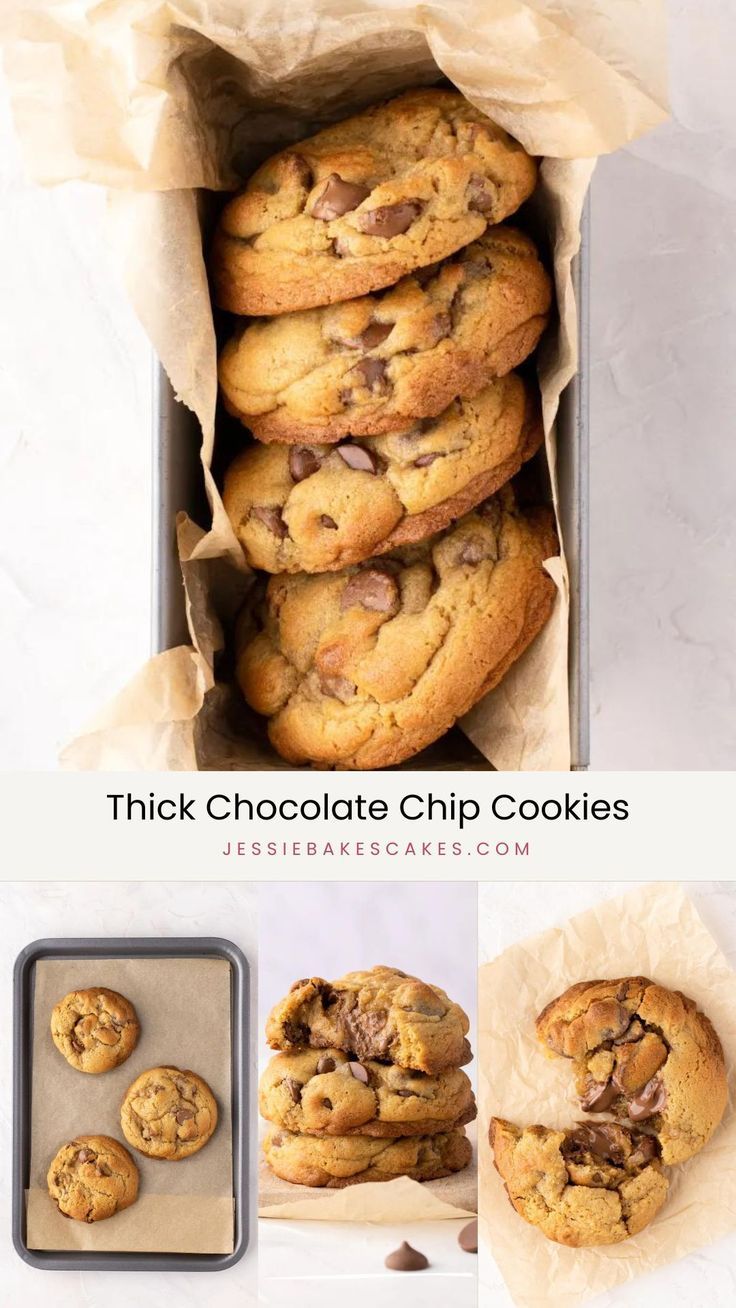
168, 1113
328, 1092
338, 1161
91, 1178
352, 209
95, 1029
312, 508
382, 362
365, 667
378, 1014
643, 1053
593, 1184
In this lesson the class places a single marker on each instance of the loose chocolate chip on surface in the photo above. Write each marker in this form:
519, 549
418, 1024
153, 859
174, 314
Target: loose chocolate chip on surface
406, 1259
425, 460
468, 1237
328, 522
375, 334
184, 1115
338, 197
358, 458
294, 1088
359, 1072
390, 219
303, 463
271, 518
371, 589
480, 198
325, 1065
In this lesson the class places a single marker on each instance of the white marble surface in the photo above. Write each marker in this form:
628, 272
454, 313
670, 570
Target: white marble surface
75, 431
32, 911
515, 912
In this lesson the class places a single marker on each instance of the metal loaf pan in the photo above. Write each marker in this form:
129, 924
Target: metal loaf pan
23, 990
178, 485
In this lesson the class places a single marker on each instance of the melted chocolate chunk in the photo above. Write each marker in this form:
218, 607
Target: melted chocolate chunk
648, 1101
390, 220
371, 589
271, 518
358, 458
303, 463
375, 334
338, 197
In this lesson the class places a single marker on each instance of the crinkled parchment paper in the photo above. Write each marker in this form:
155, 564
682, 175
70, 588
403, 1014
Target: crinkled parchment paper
182, 1207
653, 931
157, 99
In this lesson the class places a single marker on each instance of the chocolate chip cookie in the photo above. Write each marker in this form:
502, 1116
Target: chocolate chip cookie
363, 668
167, 1113
315, 508
382, 362
95, 1029
337, 1161
381, 1014
357, 206
92, 1178
643, 1053
326, 1092
592, 1184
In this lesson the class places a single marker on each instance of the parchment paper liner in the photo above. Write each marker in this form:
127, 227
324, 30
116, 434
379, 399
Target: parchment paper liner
154, 102
183, 1207
654, 931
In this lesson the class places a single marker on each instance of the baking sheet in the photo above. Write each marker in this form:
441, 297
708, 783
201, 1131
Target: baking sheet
184, 1007
653, 931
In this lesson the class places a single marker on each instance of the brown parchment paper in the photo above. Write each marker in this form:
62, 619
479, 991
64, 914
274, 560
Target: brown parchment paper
157, 99
654, 931
401, 1200
184, 1009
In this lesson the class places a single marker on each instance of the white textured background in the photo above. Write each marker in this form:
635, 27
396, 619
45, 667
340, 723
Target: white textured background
75, 441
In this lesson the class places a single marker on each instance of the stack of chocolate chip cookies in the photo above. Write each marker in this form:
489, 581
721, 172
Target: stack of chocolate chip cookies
382, 307
368, 1085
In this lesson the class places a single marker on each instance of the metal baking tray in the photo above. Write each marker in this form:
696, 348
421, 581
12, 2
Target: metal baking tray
178, 484
135, 947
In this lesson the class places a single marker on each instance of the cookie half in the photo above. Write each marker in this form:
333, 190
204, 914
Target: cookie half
326, 1093
381, 1013
357, 206
382, 362
168, 1113
95, 1029
590, 1185
642, 1053
365, 667
338, 1161
92, 1177
316, 508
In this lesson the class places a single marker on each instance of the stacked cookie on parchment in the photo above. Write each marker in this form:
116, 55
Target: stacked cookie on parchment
368, 1085
382, 308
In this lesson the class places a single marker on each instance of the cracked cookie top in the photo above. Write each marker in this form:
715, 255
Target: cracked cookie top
92, 1178
95, 1029
316, 508
644, 1053
337, 1161
168, 1113
379, 1014
328, 1092
382, 362
360, 204
593, 1184
362, 668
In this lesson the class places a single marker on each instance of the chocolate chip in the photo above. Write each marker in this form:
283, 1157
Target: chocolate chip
480, 198
271, 518
371, 589
372, 373
468, 1237
103, 1170
328, 522
338, 197
184, 1115
358, 457
424, 460
390, 219
359, 1072
645, 1151
648, 1101
78, 1049
600, 1141
84, 1155
406, 1259
338, 688
375, 334
474, 550
598, 1097
277, 1140
303, 463
297, 169
296, 1033
327, 1103
294, 1088
326, 1065
405, 1094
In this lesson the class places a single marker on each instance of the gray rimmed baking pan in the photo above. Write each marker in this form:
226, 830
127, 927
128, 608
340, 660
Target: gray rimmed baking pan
135, 947
178, 484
